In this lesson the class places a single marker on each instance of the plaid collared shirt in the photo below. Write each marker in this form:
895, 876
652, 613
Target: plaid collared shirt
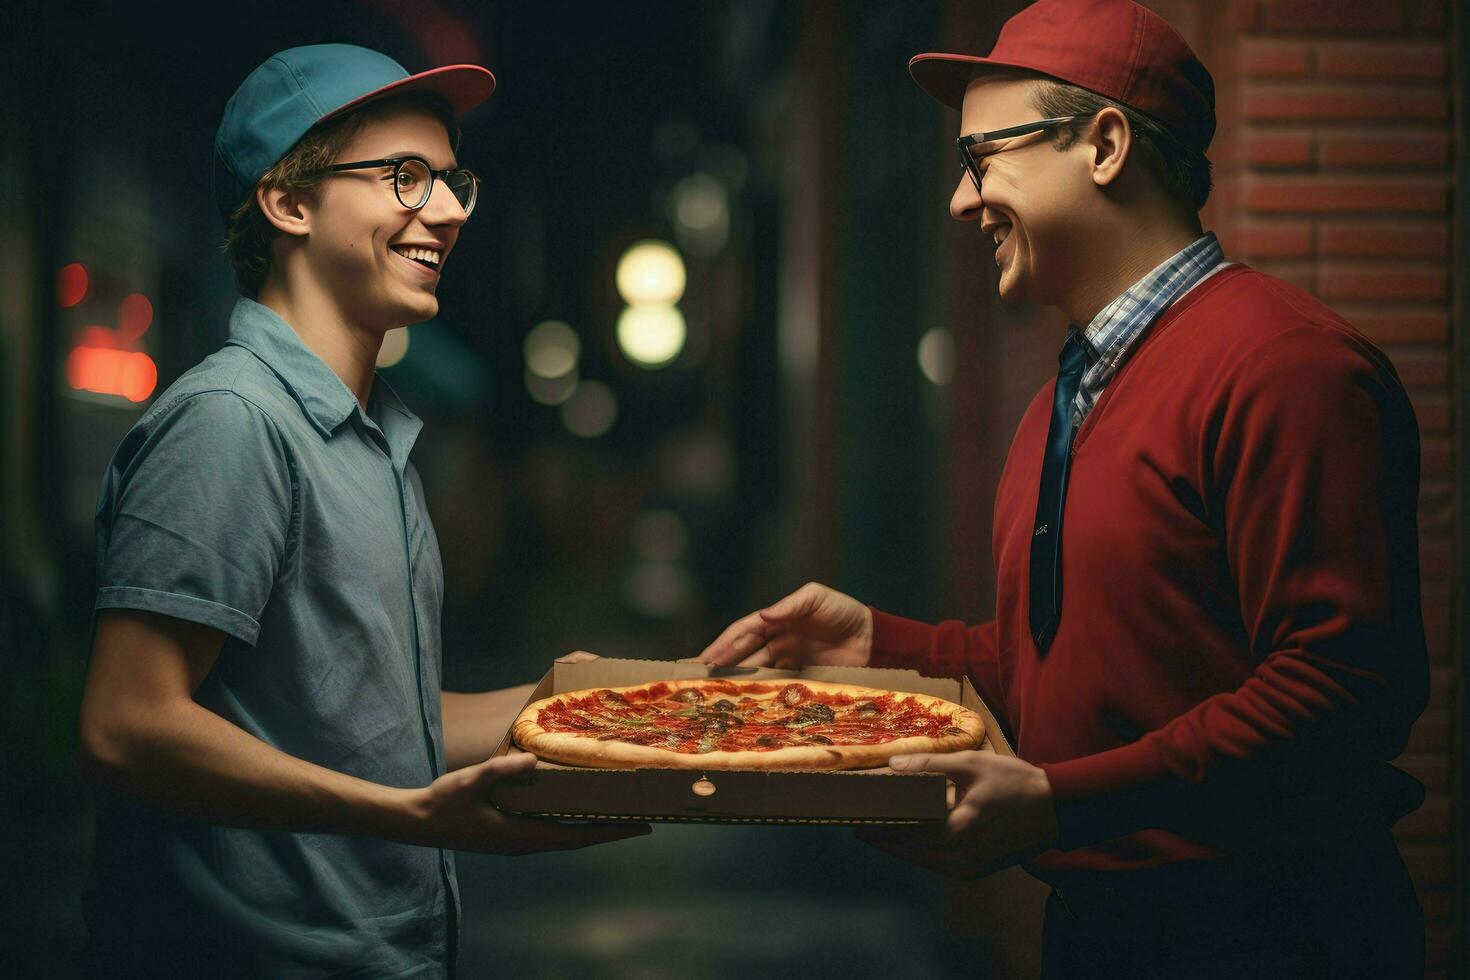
1112, 332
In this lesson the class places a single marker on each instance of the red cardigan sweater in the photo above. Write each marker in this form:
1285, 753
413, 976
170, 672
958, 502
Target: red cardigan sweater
1241, 648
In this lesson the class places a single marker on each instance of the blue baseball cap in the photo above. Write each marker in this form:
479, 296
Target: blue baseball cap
301, 87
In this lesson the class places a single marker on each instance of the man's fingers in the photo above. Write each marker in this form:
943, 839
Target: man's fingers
761, 658
953, 764
735, 641
962, 817
797, 604
493, 770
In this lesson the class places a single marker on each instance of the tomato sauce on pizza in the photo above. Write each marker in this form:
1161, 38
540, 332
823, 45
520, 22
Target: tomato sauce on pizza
731, 724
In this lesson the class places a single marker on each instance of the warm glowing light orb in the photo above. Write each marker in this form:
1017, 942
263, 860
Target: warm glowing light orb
395, 347
71, 284
651, 272
591, 411
134, 317
936, 356
651, 336
108, 371
551, 391
552, 349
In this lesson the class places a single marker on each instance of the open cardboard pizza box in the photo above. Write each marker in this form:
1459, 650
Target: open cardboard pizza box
863, 796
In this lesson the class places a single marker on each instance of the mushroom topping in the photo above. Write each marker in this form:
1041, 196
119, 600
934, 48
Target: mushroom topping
813, 713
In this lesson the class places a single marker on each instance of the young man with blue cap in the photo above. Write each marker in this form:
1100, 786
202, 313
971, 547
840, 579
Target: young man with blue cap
282, 780
1207, 644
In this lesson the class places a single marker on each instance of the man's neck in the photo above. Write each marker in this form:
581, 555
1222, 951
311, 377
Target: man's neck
350, 350
1118, 264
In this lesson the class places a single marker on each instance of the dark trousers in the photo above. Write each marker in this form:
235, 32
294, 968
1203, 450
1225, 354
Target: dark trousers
1349, 913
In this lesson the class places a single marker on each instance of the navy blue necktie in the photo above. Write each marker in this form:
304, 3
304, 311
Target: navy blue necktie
1046, 533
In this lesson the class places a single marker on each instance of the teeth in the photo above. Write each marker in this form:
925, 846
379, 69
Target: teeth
421, 254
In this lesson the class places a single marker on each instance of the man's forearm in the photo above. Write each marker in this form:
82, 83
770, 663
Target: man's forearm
474, 724
185, 758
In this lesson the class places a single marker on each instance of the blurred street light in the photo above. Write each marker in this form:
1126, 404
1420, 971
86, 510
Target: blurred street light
650, 272
551, 391
552, 349
591, 411
395, 346
651, 336
936, 356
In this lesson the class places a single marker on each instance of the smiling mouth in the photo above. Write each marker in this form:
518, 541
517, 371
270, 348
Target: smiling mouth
425, 257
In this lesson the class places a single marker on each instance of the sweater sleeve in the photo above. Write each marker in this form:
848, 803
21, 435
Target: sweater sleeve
1313, 464
950, 649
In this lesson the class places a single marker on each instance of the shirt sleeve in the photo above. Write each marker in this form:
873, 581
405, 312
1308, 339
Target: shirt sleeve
1314, 461
196, 513
950, 649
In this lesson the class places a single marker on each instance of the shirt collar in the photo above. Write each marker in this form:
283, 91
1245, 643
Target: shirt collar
398, 425
1111, 334
1117, 323
323, 397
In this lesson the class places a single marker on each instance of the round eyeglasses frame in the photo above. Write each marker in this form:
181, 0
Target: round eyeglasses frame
462, 183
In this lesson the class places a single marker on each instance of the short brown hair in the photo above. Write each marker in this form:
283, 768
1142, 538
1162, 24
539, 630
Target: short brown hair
302, 169
1184, 173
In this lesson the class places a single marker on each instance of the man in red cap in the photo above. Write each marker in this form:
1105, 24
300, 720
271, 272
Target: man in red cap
1207, 642
282, 782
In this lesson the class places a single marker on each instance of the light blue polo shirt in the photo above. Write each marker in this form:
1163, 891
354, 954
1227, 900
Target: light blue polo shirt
257, 497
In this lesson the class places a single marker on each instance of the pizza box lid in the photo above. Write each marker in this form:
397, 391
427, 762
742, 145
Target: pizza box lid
862, 796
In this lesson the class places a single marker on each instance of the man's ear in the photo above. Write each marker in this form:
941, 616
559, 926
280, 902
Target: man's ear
289, 211
1112, 140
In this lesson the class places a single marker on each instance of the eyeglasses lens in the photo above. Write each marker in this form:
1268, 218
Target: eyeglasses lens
412, 182
971, 166
463, 185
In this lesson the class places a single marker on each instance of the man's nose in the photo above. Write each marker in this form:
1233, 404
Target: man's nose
442, 208
964, 204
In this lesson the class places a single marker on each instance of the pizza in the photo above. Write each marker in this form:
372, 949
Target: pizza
727, 724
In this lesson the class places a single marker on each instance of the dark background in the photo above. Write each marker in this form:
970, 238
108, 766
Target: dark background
840, 411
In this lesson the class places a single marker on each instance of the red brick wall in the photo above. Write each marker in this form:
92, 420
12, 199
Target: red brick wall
1335, 171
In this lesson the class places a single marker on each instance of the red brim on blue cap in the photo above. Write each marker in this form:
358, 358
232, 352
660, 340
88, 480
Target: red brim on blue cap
462, 86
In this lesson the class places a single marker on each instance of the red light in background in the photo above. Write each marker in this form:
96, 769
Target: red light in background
112, 372
134, 315
94, 336
71, 284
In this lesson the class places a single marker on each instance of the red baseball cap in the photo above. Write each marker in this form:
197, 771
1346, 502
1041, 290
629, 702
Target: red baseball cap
1115, 48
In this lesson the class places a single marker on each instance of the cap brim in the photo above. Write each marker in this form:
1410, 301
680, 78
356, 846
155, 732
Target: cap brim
946, 76
462, 86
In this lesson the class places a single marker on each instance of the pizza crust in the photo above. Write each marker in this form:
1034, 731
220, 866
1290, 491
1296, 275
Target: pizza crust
580, 750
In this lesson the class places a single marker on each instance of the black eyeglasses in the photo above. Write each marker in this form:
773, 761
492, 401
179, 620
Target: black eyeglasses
413, 181
966, 144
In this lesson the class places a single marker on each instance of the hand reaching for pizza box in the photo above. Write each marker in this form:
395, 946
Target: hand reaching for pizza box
1003, 815
455, 811
813, 625
1004, 811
